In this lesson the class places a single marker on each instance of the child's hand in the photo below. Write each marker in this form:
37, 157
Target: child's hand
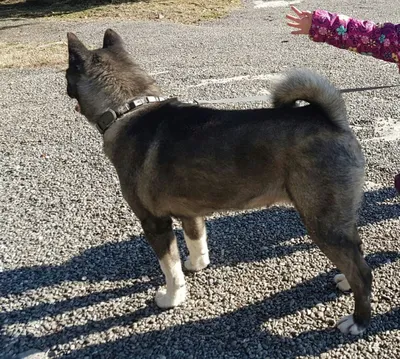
302, 22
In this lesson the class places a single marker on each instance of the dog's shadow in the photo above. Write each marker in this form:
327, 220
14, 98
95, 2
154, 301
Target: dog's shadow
267, 229
199, 339
264, 234
133, 258
224, 336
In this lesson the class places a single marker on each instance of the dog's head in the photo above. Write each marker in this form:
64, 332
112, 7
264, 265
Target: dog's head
104, 78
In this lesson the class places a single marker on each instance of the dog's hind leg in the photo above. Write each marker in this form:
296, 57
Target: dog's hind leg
162, 239
343, 248
196, 242
329, 212
341, 281
340, 241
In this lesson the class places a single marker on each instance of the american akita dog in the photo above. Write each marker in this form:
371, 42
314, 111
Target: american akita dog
181, 160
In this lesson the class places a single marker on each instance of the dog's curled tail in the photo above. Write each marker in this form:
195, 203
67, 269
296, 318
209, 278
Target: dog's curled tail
305, 85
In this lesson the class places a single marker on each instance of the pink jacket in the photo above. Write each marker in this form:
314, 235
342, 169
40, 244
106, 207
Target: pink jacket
381, 41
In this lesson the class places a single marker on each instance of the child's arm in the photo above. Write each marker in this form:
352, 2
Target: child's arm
364, 37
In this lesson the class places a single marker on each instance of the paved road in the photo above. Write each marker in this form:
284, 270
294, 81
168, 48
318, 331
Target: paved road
77, 278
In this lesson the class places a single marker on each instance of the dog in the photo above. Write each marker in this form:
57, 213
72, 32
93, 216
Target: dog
186, 161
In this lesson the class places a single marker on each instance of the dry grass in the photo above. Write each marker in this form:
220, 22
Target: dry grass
181, 11
30, 55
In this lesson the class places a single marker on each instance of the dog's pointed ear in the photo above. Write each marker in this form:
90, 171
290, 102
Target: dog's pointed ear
111, 38
77, 51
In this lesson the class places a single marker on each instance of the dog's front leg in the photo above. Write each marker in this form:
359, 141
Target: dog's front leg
162, 239
195, 235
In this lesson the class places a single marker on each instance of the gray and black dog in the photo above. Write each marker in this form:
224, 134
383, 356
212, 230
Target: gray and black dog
186, 161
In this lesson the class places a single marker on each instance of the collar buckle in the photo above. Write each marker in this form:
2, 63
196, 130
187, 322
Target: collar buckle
106, 120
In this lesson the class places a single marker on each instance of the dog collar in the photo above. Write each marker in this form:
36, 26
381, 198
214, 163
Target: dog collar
110, 116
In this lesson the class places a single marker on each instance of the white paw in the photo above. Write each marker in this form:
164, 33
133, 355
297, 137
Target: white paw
202, 262
346, 325
169, 300
341, 283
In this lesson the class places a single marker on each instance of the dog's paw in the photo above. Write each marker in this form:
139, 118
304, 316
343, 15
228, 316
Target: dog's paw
200, 263
347, 325
167, 300
341, 283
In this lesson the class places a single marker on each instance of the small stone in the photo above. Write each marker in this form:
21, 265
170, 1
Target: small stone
33, 354
330, 321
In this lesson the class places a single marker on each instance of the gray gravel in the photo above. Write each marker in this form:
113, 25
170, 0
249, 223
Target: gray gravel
77, 279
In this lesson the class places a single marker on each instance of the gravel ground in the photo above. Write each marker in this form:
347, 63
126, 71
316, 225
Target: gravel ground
77, 279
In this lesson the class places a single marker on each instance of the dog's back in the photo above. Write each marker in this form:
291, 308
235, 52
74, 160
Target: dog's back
192, 161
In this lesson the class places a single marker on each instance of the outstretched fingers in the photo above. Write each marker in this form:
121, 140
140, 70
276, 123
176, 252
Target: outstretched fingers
293, 18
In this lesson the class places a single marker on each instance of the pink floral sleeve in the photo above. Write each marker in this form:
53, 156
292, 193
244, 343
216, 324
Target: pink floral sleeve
365, 37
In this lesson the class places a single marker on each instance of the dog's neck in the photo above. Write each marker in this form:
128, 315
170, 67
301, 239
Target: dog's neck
94, 99
110, 116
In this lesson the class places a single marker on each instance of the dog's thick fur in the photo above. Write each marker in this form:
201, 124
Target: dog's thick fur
186, 161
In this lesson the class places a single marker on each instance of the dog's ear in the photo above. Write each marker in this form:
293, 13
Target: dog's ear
77, 51
112, 39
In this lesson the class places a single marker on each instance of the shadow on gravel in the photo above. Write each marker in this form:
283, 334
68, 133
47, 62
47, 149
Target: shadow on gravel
233, 240
375, 210
210, 336
239, 334
236, 239
235, 335
44, 8
6, 27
